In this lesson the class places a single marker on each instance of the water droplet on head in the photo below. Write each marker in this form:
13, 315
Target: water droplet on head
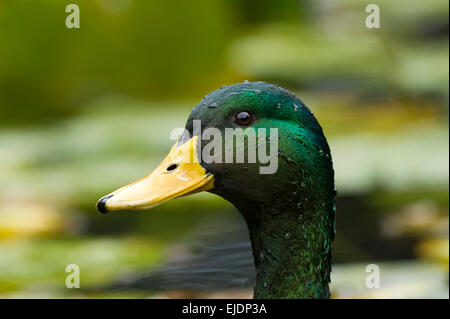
286, 235
278, 105
295, 107
246, 82
213, 105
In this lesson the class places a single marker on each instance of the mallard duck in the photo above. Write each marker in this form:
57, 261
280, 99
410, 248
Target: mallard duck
290, 213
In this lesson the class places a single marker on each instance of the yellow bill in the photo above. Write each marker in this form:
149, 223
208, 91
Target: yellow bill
178, 174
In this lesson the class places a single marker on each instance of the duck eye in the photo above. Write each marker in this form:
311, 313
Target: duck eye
243, 118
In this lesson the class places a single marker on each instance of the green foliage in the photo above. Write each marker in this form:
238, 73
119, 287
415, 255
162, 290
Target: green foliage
151, 48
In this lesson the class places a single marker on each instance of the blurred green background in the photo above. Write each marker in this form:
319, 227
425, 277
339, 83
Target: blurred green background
84, 111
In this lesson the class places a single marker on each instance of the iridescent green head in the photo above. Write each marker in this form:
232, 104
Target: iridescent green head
303, 160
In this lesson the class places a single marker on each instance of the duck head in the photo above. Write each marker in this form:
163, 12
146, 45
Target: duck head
259, 147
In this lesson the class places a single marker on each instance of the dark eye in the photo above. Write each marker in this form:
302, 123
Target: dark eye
243, 118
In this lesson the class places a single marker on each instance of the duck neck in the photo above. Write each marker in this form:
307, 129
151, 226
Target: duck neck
291, 248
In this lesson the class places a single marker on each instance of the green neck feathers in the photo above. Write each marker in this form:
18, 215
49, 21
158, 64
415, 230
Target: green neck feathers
291, 249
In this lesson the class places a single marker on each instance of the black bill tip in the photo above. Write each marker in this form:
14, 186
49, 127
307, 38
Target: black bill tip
101, 205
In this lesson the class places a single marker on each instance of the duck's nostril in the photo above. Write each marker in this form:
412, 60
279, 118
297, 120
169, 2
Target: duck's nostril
101, 205
171, 167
